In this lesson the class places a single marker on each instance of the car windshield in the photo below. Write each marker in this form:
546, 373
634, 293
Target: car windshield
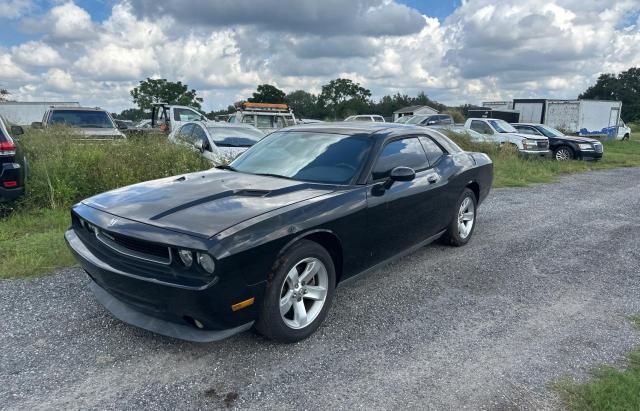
306, 156
502, 126
550, 131
81, 118
235, 136
416, 119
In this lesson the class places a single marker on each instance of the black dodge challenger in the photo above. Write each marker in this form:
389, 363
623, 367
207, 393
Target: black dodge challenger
264, 241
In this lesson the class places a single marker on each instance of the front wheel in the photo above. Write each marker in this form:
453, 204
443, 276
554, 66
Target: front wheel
625, 137
461, 227
563, 153
298, 297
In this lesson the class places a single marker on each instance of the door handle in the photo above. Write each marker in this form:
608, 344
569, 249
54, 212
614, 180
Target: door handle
432, 178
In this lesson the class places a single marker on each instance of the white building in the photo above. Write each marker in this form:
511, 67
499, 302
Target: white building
413, 111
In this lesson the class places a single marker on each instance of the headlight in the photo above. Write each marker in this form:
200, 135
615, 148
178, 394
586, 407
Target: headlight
186, 257
585, 146
530, 143
206, 262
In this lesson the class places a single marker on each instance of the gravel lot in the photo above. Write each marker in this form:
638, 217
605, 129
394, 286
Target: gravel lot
543, 290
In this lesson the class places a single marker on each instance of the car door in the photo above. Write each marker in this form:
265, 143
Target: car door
402, 215
202, 143
183, 135
483, 128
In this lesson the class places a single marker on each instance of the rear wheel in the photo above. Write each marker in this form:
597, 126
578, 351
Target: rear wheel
625, 137
563, 153
299, 296
461, 227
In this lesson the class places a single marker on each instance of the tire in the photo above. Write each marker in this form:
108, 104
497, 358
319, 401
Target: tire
563, 153
306, 296
455, 234
625, 137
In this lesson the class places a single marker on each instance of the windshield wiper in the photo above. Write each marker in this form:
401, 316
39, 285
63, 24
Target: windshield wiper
226, 167
273, 175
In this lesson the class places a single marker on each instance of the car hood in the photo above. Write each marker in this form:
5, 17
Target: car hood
578, 139
204, 203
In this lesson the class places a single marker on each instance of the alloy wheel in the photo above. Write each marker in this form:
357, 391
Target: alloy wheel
466, 217
563, 154
303, 293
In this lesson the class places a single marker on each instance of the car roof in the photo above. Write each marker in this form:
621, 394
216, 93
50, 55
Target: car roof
343, 127
526, 124
76, 109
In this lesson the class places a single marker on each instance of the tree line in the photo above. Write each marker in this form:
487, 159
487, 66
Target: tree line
343, 97
337, 100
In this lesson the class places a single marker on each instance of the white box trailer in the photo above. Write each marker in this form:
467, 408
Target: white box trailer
23, 113
498, 105
599, 118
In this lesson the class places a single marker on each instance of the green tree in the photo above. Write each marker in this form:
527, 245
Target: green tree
4, 93
152, 91
303, 104
341, 96
133, 114
266, 93
624, 87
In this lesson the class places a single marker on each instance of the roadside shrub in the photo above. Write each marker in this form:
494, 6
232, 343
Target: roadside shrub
64, 170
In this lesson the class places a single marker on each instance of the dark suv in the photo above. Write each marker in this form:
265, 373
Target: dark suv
12, 164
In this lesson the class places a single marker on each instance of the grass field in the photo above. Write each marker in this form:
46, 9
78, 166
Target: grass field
63, 172
610, 389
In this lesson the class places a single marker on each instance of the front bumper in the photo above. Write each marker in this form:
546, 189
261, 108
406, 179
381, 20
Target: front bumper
590, 155
535, 153
161, 307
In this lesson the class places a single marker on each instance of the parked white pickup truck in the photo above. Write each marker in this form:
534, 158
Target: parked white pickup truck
169, 117
501, 132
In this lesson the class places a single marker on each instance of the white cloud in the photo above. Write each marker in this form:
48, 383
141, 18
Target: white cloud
113, 62
36, 53
13, 9
59, 80
485, 49
10, 72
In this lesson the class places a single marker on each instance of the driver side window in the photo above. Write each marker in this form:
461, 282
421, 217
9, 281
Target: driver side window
199, 135
183, 114
407, 152
481, 127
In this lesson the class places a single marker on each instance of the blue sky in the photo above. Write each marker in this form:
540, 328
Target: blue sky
434, 8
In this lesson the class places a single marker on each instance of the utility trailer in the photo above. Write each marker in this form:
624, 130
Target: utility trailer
510, 116
23, 113
592, 118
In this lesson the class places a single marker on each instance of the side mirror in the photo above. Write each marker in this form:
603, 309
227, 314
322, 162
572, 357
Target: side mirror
17, 130
399, 174
199, 145
36, 124
431, 122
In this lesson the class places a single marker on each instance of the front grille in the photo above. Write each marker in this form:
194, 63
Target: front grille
140, 246
543, 145
137, 257
128, 246
135, 248
598, 147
